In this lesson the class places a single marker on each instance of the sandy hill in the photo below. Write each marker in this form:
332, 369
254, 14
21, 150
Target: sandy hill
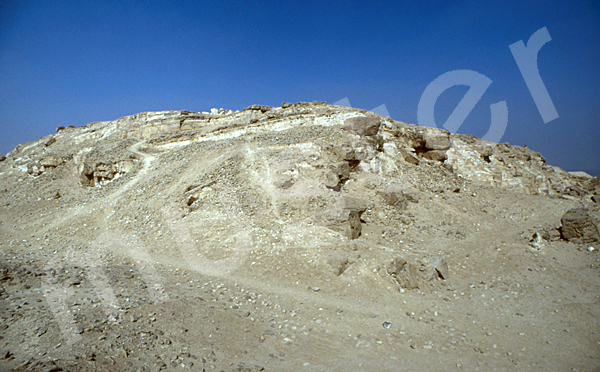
303, 237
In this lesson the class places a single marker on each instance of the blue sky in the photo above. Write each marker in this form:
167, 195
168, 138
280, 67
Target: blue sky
70, 63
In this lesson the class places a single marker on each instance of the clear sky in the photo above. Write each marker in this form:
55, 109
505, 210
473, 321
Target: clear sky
73, 62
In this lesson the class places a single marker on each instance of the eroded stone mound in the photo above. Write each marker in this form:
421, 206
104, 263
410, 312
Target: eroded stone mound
295, 161
157, 238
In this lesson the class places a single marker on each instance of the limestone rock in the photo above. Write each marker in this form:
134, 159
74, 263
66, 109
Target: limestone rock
284, 181
537, 242
437, 155
581, 174
261, 108
363, 125
579, 227
345, 151
405, 273
97, 173
337, 174
331, 180
397, 198
50, 161
437, 268
339, 265
437, 143
344, 217
409, 157
342, 170
2, 157
408, 277
411, 136
396, 266
593, 186
550, 233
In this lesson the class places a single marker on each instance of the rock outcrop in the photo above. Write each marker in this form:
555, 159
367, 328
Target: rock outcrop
374, 144
579, 227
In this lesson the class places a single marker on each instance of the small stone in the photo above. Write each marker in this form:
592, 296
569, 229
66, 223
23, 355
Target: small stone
438, 268
331, 180
408, 277
395, 198
396, 266
161, 365
339, 265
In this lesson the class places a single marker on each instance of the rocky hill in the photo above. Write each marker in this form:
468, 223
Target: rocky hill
302, 237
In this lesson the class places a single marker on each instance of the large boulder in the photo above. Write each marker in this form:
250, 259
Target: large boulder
437, 142
579, 227
344, 217
337, 175
437, 155
363, 125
